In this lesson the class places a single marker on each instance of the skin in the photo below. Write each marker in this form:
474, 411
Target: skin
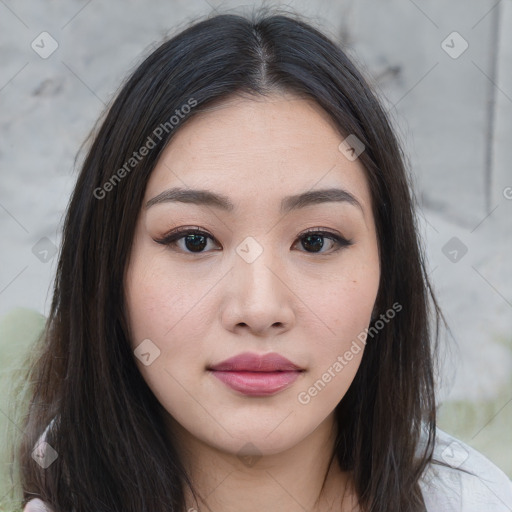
200, 309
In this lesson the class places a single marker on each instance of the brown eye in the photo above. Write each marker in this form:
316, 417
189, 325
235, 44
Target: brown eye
195, 240
313, 241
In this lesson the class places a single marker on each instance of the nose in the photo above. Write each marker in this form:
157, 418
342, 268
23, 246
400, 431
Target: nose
259, 295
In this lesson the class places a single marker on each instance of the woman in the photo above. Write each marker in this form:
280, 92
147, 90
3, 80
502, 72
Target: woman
241, 311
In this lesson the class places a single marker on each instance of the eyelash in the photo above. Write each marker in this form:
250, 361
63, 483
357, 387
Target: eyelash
180, 233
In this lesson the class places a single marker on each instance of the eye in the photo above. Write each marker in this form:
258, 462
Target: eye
195, 240
313, 239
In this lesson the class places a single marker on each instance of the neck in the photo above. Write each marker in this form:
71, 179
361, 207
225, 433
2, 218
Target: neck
304, 477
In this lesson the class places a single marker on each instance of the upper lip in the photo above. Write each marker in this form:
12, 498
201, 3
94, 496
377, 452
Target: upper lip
247, 361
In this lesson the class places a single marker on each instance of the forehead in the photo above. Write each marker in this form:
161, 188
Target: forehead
258, 148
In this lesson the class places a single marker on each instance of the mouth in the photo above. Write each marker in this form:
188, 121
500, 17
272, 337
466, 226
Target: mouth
257, 375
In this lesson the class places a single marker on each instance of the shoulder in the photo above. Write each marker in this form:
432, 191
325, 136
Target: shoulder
469, 483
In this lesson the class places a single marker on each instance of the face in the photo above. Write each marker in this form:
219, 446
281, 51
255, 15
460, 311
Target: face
253, 272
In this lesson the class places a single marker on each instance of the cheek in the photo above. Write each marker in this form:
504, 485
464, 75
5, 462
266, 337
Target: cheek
347, 308
161, 303
345, 315
341, 313
160, 311
342, 303
335, 357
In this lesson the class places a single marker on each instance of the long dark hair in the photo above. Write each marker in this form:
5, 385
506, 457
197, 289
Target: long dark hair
113, 450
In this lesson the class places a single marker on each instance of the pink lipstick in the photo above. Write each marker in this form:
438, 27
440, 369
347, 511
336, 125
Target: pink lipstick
257, 375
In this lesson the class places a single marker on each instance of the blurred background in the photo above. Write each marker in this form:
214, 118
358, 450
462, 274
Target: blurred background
443, 72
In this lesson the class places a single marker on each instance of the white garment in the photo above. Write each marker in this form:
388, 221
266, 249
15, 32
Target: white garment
448, 489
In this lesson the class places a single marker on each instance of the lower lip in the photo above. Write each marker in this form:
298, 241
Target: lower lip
257, 383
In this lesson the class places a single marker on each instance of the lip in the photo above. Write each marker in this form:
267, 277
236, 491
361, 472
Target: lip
250, 362
257, 375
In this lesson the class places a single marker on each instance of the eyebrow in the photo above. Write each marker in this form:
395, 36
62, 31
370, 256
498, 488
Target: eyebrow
222, 202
